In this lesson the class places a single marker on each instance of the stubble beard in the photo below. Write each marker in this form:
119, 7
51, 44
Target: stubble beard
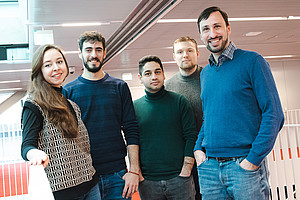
187, 68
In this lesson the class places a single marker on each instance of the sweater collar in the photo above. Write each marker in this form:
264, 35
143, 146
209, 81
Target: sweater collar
93, 81
158, 95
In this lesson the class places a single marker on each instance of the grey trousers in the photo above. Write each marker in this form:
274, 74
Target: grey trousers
178, 188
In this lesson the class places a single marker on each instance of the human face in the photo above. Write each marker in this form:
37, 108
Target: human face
186, 55
152, 77
215, 33
92, 55
54, 67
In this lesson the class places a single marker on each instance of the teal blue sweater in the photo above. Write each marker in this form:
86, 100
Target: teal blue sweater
167, 133
241, 108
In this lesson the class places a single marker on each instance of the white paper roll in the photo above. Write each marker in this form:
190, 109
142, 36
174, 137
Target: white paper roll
39, 187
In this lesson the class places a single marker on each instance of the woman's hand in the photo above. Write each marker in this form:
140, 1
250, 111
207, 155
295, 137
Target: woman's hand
37, 157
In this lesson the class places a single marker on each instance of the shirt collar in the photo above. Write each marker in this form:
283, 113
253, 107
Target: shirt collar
227, 54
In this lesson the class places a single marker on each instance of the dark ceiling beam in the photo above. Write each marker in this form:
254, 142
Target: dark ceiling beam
140, 19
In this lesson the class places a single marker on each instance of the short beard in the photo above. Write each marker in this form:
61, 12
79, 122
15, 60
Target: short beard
94, 69
223, 47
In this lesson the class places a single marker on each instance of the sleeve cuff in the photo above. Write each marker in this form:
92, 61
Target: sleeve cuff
254, 158
189, 146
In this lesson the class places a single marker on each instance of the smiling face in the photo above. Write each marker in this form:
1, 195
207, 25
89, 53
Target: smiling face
54, 68
214, 33
92, 56
152, 77
186, 55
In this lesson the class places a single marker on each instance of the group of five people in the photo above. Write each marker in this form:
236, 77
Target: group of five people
82, 132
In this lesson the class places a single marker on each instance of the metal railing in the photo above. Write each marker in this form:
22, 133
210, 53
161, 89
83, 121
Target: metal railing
13, 169
284, 160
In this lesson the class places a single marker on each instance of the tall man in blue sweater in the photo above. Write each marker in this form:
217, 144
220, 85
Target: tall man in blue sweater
242, 116
107, 109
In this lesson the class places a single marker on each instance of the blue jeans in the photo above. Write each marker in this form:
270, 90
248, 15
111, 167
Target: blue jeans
228, 180
112, 185
178, 188
93, 194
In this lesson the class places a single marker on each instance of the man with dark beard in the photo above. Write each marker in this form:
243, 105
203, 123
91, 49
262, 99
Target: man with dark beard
242, 116
107, 111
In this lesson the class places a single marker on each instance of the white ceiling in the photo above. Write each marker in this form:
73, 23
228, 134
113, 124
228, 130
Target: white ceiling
277, 38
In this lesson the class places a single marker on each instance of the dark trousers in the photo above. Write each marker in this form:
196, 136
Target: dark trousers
198, 196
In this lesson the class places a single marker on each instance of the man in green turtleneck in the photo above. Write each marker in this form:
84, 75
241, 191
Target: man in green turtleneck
167, 137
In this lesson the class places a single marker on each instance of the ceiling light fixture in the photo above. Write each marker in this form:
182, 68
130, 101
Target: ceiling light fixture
282, 56
176, 20
70, 52
241, 19
199, 46
9, 89
69, 24
84, 24
251, 34
15, 70
233, 19
293, 17
168, 62
14, 61
14, 81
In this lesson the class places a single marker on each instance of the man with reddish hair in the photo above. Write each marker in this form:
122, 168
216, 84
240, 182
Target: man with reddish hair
187, 83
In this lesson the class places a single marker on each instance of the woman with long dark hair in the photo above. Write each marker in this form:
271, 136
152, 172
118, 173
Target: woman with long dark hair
53, 133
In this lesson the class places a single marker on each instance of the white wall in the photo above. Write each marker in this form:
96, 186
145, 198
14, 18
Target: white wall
287, 78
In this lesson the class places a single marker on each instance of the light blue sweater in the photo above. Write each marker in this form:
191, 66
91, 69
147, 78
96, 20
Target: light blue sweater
241, 107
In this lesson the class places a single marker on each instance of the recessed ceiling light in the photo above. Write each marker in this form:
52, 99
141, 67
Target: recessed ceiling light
282, 56
293, 17
16, 70
257, 19
14, 61
176, 20
251, 34
14, 81
168, 62
9, 89
199, 46
233, 19
84, 24
70, 52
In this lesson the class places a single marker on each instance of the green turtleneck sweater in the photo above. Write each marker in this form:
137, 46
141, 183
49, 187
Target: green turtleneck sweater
167, 133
